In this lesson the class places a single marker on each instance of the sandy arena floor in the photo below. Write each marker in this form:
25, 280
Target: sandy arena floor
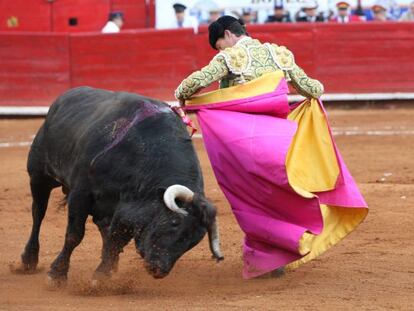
372, 269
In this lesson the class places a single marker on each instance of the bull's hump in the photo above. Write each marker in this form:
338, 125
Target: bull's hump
140, 109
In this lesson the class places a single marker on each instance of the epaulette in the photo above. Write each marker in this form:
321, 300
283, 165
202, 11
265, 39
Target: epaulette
281, 56
237, 59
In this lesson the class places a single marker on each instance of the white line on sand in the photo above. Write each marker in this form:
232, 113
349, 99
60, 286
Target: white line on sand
15, 144
336, 132
356, 132
339, 132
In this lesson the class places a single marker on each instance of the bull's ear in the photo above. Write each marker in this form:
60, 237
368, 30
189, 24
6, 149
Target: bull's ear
207, 210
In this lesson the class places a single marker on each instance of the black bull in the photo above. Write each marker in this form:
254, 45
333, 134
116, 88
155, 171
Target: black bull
128, 161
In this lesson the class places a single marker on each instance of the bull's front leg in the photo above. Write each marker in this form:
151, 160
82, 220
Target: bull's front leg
115, 237
41, 186
78, 206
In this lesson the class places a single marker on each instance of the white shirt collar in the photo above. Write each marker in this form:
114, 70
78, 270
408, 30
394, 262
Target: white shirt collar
344, 20
111, 27
247, 38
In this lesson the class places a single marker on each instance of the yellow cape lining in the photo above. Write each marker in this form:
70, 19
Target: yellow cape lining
265, 84
312, 166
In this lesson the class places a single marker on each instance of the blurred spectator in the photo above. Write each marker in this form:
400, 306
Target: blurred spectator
344, 13
409, 15
380, 13
330, 14
309, 13
182, 20
360, 12
115, 22
207, 11
279, 15
392, 8
247, 17
213, 15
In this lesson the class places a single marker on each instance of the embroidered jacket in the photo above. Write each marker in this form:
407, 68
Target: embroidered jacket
246, 60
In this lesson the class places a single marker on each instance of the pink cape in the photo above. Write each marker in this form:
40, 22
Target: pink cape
247, 141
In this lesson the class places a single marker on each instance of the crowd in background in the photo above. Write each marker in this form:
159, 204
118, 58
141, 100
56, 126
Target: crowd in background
344, 13
385, 10
382, 11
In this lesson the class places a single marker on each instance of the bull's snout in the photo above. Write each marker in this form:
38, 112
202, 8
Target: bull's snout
155, 270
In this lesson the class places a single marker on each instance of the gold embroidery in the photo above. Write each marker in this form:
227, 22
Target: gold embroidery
303, 84
247, 60
236, 58
214, 71
260, 55
285, 57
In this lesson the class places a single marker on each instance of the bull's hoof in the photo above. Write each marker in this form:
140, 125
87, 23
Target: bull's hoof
278, 273
99, 283
55, 283
95, 283
99, 279
24, 268
29, 260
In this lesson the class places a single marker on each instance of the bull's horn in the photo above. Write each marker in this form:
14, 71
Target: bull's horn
177, 192
214, 241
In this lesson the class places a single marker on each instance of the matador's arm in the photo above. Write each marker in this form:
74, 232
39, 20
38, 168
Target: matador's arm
215, 71
304, 85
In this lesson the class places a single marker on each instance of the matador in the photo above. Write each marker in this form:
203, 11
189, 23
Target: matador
249, 59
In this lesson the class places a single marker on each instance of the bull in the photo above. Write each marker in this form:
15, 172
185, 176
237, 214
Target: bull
128, 161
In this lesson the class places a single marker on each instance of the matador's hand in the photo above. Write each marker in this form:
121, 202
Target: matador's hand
181, 113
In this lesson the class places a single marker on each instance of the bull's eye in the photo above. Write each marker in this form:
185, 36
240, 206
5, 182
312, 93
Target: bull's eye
175, 222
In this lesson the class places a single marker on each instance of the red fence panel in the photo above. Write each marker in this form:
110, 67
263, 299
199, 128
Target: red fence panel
147, 62
365, 57
34, 68
353, 58
24, 15
79, 15
72, 15
135, 11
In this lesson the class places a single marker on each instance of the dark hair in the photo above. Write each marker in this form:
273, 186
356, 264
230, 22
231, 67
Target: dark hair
226, 22
115, 15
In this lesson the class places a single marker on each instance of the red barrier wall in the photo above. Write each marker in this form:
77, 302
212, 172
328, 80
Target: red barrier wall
34, 68
148, 62
366, 57
137, 14
72, 15
86, 15
23, 15
353, 58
